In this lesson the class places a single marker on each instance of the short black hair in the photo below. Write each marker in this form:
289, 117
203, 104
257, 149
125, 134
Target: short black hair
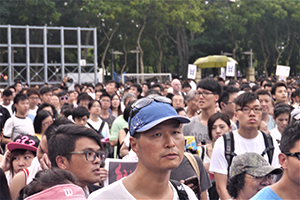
290, 136
7, 92
186, 84
64, 140
227, 90
20, 97
62, 93
37, 123
245, 98
157, 85
80, 112
43, 105
113, 81
45, 90
210, 84
138, 87
276, 85
282, 108
235, 184
83, 96
105, 94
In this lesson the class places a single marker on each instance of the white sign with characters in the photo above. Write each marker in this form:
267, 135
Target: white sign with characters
192, 70
230, 69
283, 70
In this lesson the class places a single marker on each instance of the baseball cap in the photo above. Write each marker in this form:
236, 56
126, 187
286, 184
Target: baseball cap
253, 164
27, 142
65, 191
157, 111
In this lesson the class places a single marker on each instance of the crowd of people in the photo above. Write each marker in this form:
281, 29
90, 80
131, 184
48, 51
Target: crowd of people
215, 139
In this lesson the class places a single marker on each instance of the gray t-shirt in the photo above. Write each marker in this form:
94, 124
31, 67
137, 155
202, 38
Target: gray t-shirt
197, 129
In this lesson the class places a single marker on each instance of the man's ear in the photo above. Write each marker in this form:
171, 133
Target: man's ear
235, 116
62, 162
273, 97
134, 145
222, 104
216, 97
282, 158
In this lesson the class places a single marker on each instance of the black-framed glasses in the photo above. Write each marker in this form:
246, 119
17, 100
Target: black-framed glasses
247, 110
268, 177
62, 98
91, 155
205, 94
141, 103
296, 154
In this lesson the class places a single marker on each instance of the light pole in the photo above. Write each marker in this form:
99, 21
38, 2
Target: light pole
137, 61
113, 53
251, 72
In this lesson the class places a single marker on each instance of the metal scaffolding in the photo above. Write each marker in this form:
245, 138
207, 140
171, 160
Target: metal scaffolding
50, 72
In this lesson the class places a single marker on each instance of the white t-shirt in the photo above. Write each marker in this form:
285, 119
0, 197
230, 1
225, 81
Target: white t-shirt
218, 162
131, 154
96, 125
117, 190
275, 133
18, 126
33, 111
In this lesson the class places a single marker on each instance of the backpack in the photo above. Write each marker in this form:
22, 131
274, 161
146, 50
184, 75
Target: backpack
229, 148
180, 190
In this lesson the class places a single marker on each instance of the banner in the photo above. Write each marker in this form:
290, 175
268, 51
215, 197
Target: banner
282, 70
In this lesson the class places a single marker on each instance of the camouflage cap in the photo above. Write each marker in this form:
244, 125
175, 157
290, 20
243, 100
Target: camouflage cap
253, 164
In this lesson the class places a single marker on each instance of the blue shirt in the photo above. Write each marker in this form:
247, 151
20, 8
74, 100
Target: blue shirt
266, 194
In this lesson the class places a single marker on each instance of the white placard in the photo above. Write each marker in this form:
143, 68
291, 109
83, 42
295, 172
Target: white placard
223, 73
192, 70
282, 70
83, 62
230, 69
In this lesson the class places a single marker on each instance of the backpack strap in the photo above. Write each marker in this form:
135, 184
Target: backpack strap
269, 147
203, 152
193, 162
229, 149
180, 190
98, 131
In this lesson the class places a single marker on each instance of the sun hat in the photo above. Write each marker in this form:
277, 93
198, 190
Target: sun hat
64, 191
24, 141
253, 164
156, 111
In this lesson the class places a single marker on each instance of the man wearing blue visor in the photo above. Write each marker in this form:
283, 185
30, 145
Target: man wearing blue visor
158, 141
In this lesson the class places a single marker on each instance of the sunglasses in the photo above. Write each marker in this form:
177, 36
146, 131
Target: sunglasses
296, 154
141, 103
62, 98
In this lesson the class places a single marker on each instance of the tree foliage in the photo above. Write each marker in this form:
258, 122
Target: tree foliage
171, 34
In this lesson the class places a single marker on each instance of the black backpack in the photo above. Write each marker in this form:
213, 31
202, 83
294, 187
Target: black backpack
180, 190
229, 148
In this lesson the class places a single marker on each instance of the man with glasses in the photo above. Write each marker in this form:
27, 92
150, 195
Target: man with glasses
63, 98
78, 150
250, 172
289, 158
157, 140
246, 139
34, 97
209, 91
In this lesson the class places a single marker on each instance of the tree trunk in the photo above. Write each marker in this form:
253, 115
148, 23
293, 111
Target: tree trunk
125, 56
139, 44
